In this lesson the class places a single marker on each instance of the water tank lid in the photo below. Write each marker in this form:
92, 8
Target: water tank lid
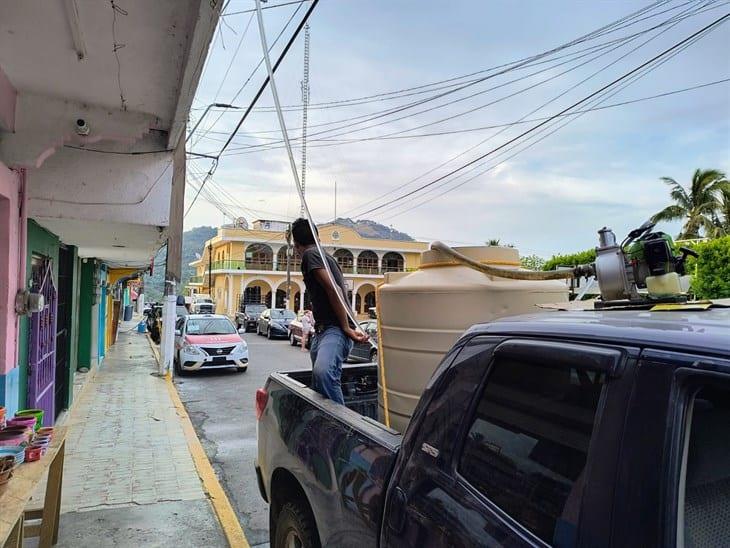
492, 255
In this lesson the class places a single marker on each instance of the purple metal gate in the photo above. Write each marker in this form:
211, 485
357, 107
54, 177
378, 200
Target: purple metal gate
42, 350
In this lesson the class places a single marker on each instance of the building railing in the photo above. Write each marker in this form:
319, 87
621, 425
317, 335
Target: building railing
259, 265
230, 264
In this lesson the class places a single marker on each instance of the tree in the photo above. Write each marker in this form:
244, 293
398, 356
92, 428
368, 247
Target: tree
698, 205
532, 262
722, 220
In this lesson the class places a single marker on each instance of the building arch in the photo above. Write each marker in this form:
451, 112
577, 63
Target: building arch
257, 291
280, 294
296, 260
345, 260
259, 257
393, 262
364, 297
367, 262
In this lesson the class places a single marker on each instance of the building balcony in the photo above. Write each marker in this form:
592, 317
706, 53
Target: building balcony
195, 280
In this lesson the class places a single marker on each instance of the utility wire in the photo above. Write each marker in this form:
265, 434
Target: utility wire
675, 21
408, 105
626, 75
606, 95
253, 72
333, 131
282, 55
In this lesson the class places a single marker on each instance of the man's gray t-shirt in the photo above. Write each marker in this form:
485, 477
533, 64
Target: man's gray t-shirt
321, 308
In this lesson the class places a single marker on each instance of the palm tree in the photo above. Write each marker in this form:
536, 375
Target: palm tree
722, 220
698, 204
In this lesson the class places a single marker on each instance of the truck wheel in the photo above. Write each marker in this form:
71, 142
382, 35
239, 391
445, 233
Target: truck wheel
268, 333
295, 527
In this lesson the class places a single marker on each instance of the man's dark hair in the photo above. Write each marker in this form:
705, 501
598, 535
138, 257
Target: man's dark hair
301, 232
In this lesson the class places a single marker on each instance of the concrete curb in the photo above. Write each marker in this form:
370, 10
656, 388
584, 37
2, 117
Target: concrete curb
212, 487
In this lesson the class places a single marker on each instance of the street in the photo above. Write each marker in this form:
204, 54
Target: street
221, 406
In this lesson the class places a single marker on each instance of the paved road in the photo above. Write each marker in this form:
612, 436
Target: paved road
221, 407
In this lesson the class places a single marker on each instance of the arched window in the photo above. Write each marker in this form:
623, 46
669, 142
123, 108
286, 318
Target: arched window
393, 262
296, 260
345, 259
367, 263
259, 257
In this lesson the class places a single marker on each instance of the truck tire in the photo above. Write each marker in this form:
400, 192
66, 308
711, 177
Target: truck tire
295, 527
268, 333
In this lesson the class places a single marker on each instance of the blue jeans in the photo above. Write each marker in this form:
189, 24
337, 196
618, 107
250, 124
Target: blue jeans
329, 349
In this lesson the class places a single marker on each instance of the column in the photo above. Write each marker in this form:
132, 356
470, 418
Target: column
229, 303
354, 294
380, 263
173, 267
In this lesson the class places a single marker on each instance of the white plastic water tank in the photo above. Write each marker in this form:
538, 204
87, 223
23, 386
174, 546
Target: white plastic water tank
423, 313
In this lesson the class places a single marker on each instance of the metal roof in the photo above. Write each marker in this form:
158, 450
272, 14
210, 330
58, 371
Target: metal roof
706, 331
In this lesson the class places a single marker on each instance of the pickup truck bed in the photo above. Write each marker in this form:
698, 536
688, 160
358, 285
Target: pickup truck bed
346, 449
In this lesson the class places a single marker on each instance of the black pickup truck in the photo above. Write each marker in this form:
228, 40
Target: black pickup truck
557, 429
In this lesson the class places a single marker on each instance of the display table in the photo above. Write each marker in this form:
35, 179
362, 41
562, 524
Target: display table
15, 497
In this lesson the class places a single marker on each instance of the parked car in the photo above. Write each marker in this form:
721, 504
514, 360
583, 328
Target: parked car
295, 333
203, 304
274, 323
208, 341
607, 428
365, 351
248, 316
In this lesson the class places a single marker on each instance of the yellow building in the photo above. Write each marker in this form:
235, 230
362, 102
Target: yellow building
252, 263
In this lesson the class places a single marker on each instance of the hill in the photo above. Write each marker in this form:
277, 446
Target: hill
371, 229
193, 241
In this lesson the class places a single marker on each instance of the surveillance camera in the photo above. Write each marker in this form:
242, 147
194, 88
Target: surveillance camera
81, 127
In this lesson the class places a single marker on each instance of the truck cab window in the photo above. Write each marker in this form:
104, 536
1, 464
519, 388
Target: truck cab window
704, 491
527, 446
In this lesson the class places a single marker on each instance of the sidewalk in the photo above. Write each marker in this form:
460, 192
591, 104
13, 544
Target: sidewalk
129, 478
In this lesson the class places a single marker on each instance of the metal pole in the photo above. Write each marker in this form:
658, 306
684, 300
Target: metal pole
210, 270
288, 266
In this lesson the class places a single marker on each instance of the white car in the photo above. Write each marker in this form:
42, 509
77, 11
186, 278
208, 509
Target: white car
208, 341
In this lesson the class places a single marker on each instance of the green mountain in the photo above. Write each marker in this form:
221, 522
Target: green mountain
192, 245
371, 229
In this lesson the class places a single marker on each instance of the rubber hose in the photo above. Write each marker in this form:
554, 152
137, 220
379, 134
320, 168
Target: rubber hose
502, 272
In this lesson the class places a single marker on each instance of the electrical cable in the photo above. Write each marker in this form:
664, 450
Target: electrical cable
214, 164
379, 96
575, 115
519, 120
295, 173
718, 21
253, 72
623, 41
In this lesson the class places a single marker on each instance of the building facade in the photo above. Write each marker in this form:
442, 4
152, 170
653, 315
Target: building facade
250, 265
92, 157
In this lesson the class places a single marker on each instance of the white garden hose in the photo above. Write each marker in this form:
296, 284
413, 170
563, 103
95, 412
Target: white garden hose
295, 173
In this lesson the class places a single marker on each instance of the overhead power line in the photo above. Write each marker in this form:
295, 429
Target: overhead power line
263, 86
351, 128
621, 78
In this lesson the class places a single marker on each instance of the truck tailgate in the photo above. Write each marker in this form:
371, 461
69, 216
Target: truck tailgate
341, 459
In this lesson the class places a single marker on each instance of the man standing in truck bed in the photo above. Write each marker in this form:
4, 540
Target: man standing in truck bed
333, 332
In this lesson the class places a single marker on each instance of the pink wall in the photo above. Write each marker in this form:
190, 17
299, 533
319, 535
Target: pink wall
12, 262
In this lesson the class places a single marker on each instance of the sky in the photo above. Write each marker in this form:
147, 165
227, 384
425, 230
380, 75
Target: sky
601, 169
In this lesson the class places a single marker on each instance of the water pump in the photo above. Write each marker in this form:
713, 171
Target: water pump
644, 260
